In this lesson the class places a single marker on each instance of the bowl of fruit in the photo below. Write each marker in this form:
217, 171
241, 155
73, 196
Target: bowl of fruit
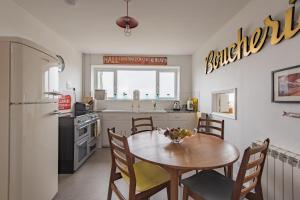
176, 135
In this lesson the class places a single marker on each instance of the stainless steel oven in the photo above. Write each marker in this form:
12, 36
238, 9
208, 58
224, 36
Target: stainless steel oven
77, 140
81, 152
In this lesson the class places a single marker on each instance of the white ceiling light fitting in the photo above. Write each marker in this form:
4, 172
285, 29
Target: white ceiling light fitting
127, 22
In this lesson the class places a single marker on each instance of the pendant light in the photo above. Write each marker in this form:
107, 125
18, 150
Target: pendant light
127, 22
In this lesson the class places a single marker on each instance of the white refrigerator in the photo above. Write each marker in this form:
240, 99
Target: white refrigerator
29, 121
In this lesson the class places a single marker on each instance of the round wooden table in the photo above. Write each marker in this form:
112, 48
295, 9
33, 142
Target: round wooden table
196, 152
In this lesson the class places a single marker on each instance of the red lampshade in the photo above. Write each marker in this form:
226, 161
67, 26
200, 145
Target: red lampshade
126, 20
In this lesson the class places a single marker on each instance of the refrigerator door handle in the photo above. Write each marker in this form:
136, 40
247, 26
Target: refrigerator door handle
55, 112
53, 93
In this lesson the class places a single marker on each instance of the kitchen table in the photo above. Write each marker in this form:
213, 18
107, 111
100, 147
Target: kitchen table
198, 152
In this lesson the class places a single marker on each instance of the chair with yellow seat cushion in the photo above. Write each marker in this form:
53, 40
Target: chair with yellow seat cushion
144, 179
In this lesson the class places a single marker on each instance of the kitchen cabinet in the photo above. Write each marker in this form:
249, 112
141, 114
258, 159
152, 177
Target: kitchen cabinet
122, 122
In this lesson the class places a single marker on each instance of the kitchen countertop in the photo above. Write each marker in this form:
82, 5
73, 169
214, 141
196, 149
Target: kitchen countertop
179, 111
144, 111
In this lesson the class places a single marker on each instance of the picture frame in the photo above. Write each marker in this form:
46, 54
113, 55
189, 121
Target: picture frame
286, 85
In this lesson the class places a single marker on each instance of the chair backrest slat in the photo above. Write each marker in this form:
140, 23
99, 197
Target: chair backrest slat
251, 170
253, 175
248, 189
142, 124
122, 168
115, 145
206, 126
255, 163
119, 157
211, 127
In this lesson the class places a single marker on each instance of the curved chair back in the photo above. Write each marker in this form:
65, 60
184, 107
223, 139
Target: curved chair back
211, 127
120, 154
141, 125
250, 172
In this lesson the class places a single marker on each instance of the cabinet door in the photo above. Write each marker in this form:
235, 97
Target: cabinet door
106, 124
121, 121
160, 120
182, 120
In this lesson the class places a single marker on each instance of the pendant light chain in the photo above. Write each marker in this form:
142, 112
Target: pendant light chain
127, 8
127, 29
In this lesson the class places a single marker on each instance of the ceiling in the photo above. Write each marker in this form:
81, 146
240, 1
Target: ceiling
167, 27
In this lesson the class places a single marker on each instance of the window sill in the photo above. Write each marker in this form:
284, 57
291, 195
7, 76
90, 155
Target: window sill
230, 116
142, 100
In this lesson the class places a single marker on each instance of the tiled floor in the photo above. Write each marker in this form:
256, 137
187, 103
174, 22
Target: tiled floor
90, 182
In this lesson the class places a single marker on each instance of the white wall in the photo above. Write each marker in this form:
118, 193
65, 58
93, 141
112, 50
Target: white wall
185, 63
257, 116
15, 21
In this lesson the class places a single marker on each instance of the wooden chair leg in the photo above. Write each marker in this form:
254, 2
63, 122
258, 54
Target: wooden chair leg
180, 178
132, 192
169, 192
229, 171
111, 180
258, 191
185, 193
109, 192
225, 171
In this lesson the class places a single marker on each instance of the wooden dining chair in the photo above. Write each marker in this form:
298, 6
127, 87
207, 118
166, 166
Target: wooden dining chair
144, 179
210, 184
211, 127
141, 125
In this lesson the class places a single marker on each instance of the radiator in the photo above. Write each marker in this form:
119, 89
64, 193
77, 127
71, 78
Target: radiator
281, 176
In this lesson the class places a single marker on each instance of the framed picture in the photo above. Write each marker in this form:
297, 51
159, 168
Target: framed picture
286, 85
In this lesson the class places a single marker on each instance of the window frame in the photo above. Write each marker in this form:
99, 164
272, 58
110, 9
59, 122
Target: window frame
157, 69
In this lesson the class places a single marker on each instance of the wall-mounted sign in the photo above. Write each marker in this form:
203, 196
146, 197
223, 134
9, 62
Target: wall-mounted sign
246, 46
64, 102
135, 60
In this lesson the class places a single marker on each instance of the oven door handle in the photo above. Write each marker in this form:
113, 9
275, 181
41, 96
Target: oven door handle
86, 125
81, 143
82, 127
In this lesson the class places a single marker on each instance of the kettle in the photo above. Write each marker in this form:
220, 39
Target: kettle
176, 105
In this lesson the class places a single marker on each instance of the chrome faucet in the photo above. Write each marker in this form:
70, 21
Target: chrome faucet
154, 105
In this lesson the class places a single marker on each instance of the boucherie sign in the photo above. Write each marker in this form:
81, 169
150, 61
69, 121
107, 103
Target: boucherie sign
135, 60
246, 46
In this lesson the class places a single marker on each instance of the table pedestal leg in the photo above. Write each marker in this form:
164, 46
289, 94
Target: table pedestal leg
174, 178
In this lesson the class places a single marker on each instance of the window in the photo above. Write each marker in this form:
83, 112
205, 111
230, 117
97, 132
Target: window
128, 81
152, 82
224, 103
106, 82
166, 84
